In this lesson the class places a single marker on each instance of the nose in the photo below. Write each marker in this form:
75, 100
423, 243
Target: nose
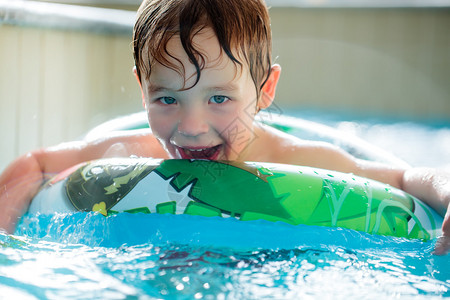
192, 123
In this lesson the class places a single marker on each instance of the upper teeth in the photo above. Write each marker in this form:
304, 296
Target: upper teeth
196, 150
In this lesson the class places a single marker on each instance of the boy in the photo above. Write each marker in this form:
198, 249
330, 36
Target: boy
204, 68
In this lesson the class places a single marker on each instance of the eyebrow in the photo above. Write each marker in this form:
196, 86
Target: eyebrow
157, 88
226, 87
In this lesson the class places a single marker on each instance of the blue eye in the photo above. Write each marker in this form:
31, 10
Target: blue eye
167, 100
219, 99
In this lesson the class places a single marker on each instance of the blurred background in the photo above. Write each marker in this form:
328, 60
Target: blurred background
66, 66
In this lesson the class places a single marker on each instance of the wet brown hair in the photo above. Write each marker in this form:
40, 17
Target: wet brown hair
242, 28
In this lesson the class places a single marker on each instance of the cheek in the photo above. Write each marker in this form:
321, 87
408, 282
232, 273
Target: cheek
160, 124
237, 130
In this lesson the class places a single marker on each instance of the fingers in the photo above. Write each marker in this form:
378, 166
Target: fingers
442, 245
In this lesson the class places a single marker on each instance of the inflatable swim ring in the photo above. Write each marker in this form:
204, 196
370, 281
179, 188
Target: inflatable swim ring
246, 191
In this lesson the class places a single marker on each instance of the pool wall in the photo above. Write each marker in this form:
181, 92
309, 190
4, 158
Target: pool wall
66, 68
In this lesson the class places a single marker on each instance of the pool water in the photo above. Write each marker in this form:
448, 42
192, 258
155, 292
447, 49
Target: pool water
87, 256
185, 257
425, 143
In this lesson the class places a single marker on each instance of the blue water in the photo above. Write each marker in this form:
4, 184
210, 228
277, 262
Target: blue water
87, 256
419, 143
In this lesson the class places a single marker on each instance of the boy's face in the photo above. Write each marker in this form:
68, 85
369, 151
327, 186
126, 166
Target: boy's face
211, 120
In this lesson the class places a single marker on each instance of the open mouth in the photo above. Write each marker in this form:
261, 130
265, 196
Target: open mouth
210, 153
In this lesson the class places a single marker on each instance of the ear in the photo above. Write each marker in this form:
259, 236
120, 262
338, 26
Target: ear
268, 90
140, 85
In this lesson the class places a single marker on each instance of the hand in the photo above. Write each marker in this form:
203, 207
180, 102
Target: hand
443, 243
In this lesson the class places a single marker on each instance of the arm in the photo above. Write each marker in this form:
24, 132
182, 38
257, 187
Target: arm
18, 184
22, 179
430, 185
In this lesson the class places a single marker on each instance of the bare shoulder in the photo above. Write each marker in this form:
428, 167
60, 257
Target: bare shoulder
292, 150
285, 148
281, 147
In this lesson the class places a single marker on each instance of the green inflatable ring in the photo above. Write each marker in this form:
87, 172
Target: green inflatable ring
246, 191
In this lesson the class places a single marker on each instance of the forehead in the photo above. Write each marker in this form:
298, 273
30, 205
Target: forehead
211, 58
205, 42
